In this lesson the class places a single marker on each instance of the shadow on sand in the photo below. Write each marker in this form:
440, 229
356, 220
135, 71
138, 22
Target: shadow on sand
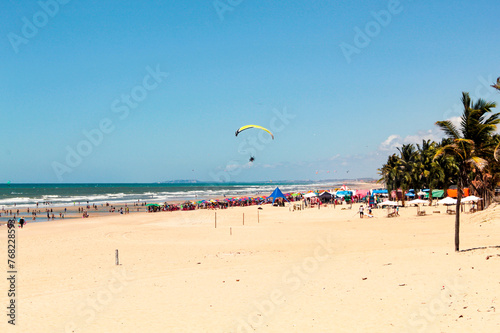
481, 248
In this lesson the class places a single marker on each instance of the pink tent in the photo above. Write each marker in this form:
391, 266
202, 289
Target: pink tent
362, 193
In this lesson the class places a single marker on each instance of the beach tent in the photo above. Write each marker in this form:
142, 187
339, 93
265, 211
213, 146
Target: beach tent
325, 196
311, 195
435, 193
277, 194
153, 207
410, 193
453, 192
382, 193
342, 194
362, 193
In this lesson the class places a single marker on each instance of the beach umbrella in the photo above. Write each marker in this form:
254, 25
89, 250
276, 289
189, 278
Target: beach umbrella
417, 202
471, 198
388, 203
448, 201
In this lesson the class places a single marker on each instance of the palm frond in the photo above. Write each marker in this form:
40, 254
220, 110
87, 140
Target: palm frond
496, 151
448, 128
478, 162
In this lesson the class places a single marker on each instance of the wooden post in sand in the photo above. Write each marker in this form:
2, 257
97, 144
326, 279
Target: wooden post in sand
230, 231
215, 220
117, 262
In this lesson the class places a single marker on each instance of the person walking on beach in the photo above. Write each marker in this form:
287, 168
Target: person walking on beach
361, 211
21, 222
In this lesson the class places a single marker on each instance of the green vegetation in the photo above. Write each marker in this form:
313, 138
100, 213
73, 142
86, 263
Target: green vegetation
467, 157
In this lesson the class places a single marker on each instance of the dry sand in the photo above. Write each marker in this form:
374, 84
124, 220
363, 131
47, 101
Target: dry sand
314, 270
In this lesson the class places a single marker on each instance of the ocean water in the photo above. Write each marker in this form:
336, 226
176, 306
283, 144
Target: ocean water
28, 195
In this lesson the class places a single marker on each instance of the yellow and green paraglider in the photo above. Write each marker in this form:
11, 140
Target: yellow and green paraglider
241, 129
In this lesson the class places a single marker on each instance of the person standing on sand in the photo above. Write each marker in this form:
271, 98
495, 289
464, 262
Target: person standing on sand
361, 211
21, 222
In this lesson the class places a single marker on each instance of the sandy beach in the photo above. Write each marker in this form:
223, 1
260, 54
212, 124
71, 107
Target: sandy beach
314, 270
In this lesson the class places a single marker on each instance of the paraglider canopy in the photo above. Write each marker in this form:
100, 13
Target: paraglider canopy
241, 129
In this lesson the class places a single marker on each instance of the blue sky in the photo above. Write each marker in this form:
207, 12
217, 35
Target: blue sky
145, 91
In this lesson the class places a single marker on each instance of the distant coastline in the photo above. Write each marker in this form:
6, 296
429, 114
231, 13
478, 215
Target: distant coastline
281, 181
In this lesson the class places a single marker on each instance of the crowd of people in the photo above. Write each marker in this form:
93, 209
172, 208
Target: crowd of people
83, 208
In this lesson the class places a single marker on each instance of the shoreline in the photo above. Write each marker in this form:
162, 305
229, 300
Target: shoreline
103, 210
119, 194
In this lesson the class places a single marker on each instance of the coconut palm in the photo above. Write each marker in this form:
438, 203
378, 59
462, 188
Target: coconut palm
431, 172
390, 174
496, 151
406, 164
469, 144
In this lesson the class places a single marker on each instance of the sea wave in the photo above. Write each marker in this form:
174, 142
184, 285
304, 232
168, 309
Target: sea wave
78, 195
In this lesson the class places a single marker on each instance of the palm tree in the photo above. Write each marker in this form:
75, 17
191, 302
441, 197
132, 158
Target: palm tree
469, 144
431, 172
448, 166
406, 168
497, 148
390, 174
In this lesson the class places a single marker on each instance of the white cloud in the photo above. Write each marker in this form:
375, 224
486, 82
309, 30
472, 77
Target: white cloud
432, 134
231, 167
391, 143
395, 140
455, 121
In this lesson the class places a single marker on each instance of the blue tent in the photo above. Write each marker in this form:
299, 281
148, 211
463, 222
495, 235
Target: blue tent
411, 193
277, 194
379, 192
342, 194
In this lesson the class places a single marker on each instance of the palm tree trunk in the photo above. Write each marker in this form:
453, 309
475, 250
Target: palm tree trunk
457, 214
